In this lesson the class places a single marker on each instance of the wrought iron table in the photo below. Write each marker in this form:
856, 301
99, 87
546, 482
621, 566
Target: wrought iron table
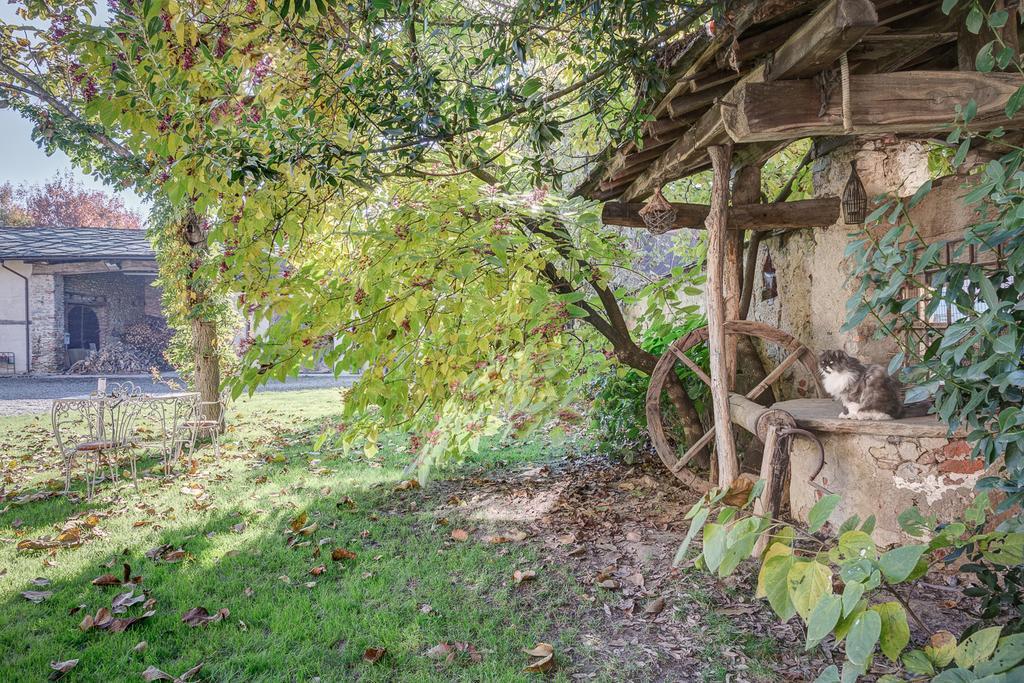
121, 420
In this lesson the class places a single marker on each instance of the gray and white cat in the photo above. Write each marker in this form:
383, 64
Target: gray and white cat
867, 392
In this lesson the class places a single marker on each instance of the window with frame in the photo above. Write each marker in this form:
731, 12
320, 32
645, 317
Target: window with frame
927, 326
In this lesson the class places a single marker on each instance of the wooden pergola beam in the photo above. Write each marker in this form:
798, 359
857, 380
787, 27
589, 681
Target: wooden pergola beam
806, 213
902, 102
832, 30
818, 43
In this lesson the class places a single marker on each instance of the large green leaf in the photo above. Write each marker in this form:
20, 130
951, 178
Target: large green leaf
823, 619
956, 675
691, 533
821, 511
978, 647
1008, 654
898, 563
857, 545
774, 577
895, 630
776, 549
714, 545
843, 627
808, 582
940, 648
863, 636
917, 662
829, 675
852, 593
740, 544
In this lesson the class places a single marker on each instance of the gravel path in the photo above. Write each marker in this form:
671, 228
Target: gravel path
22, 395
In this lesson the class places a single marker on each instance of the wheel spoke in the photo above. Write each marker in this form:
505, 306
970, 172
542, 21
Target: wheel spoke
688, 362
790, 360
694, 449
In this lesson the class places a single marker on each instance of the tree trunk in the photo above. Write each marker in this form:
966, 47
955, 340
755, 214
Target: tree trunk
207, 374
204, 331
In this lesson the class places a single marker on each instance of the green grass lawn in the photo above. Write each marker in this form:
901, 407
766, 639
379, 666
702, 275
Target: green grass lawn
409, 588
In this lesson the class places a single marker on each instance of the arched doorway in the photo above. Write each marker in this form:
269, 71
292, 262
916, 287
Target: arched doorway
83, 332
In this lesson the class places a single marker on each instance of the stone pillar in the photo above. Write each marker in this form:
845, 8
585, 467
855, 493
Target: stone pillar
46, 306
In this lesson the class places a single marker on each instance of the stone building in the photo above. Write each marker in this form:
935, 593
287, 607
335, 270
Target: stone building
878, 83
65, 292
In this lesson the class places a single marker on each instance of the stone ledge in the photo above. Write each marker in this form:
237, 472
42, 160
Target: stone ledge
822, 415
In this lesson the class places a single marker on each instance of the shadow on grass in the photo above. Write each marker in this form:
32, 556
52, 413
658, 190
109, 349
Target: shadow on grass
280, 628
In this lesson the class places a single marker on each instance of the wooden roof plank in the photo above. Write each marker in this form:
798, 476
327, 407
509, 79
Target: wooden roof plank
901, 102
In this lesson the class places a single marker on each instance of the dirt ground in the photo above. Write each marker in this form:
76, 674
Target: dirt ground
615, 529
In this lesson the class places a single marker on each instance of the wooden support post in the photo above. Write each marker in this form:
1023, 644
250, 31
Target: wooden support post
728, 465
746, 190
767, 425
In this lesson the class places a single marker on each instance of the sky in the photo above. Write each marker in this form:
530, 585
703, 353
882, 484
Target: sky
22, 161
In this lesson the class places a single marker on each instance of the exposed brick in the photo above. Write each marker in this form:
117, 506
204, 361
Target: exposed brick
961, 466
957, 449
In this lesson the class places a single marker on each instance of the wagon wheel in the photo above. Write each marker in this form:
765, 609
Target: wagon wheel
797, 353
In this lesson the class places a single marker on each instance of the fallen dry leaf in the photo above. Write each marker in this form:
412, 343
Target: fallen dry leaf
407, 485
655, 606
439, 651
140, 646
460, 535
347, 502
106, 580
40, 581
373, 654
121, 624
544, 658
199, 616
523, 575
448, 652
125, 600
87, 622
299, 522
309, 529
317, 571
154, 674
339, 554
610, 584
238, 528
37, 596
61, 668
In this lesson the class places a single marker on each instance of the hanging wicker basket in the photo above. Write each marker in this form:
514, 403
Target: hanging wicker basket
658, 214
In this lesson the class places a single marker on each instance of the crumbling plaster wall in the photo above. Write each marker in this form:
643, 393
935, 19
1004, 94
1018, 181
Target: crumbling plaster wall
811, 271
882, 475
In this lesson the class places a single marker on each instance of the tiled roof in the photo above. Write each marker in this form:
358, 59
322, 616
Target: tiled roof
74, 244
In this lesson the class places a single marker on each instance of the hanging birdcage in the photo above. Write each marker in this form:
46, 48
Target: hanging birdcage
658, 215
855, 199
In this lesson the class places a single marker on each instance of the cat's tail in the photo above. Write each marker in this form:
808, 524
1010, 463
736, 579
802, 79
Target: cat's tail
917, 408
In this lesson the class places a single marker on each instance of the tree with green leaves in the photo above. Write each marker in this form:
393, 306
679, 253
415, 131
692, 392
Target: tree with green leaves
382, 184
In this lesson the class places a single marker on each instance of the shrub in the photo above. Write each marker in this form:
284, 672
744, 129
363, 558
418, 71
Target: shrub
617, 414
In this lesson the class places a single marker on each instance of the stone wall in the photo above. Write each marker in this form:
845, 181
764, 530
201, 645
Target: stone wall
811, 271
119, 300
46, 306
881, 475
